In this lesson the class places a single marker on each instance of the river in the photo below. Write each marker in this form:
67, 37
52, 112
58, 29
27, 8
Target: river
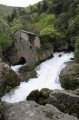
48, 77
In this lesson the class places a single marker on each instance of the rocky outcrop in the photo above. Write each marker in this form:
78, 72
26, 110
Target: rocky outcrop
13, 58
69, 76
44, 54
8, 79
32, 111
65, 101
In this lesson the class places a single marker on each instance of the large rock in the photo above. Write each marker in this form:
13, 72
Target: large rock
44, 54
69, 76
41, 97
32, 111
65, 101
26, 72
8, 79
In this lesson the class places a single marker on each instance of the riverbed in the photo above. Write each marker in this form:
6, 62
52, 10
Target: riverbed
48, 77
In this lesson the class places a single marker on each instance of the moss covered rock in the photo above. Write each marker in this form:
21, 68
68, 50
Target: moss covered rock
26, 72
69, 76
8, 79
41, 97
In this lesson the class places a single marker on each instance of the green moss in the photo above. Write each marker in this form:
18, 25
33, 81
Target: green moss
34, 95
31, 74
41, 97
49, 114
31, 38
68, 82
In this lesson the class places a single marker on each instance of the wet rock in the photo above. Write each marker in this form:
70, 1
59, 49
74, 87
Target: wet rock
26, 72
32, 111
60, 55
8, 79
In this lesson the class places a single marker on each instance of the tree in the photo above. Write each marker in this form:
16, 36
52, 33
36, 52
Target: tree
13, 15
50, 34
49, 20
5, 39
45, 5
39, 6
15, 25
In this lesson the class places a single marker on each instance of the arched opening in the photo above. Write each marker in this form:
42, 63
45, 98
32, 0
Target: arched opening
22, 60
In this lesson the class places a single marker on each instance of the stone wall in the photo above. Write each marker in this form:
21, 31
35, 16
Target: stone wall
27, 49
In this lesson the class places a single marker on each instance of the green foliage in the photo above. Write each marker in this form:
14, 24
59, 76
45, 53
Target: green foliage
56, 21
45, 5
5, 11
50, 34
5, 39
15, 25
49, 20
39, 5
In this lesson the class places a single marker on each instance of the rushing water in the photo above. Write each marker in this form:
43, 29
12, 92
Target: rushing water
16, 68
48, 77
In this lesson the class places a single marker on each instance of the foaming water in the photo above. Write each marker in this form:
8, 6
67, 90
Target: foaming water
16, 68
48, 77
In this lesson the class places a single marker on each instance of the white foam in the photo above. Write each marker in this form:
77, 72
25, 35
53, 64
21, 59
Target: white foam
48, 77
16, 68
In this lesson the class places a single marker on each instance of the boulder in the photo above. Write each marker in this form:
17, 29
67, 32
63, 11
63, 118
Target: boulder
69, 76
29, 110
8, 79
41, 97
65, 101
26, 72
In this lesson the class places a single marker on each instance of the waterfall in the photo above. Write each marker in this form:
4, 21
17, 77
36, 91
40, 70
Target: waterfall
48, 77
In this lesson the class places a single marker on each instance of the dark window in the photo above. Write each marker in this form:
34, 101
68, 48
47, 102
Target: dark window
30, 47
22, 60
20, 38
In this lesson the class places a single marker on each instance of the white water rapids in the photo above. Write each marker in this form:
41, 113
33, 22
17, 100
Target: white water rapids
48, 77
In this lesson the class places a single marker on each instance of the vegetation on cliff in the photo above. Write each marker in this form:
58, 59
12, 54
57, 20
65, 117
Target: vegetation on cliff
53, 20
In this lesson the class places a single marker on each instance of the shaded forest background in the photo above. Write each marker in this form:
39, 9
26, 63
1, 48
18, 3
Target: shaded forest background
55, 21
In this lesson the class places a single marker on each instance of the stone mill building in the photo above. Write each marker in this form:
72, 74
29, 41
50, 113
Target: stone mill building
27, 44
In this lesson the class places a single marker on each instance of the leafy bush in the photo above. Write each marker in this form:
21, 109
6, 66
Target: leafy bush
49, 32
5, 39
